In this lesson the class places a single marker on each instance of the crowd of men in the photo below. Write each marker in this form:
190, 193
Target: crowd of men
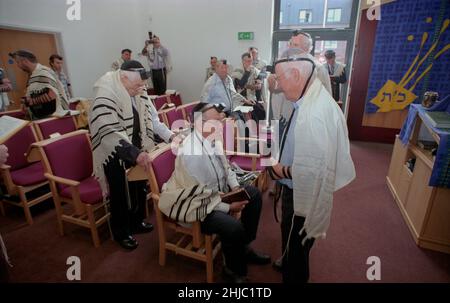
313, 160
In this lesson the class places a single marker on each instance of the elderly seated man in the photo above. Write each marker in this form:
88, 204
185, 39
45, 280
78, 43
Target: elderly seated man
202, 174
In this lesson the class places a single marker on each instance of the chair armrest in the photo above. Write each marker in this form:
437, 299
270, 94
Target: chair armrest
241, 154
250, 139
5, 167
62, 180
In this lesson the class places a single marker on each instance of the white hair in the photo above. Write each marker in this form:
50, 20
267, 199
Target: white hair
132, 76
304, 67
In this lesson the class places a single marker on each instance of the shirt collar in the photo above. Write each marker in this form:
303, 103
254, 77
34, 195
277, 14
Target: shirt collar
297, 103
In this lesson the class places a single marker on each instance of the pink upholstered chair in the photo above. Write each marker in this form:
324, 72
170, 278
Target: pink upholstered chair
68, 166
18, 113
246, 161
176, 99
188, 241
161, 102
49, 126
187, 110
171, 115
19, 175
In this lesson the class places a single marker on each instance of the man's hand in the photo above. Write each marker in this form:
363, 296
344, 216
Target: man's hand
235, 188
272, 82
144, 160
279, 171
236, 207
249, 102
3, 154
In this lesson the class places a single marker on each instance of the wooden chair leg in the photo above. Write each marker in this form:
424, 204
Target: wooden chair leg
162, 246
26, 208
59, 213
209, 259
93, 227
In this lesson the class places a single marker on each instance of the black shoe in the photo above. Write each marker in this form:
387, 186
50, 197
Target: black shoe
231, 277
277, 264
128, 243
143, 228
254, 257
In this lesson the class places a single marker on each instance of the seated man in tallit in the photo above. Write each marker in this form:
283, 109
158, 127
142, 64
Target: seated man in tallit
45, 94
193, 193
246, 82
314, 162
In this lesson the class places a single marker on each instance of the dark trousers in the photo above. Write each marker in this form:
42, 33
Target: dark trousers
127, 201
159, 81
296, 260
235, 235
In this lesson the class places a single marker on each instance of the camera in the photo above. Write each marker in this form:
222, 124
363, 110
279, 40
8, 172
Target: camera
150, 37
270, 69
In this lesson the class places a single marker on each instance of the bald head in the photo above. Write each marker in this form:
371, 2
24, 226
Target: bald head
132, 82
294, 76
302, 41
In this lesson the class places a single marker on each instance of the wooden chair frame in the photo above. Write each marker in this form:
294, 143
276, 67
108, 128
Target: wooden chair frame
189, 241
38, 129
21, 191
82, 214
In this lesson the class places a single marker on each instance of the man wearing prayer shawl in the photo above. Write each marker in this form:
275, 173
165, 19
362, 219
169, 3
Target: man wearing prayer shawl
314, 161
193, 193
123, 124
45, 94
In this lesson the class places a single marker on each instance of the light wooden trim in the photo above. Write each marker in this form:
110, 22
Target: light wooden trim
62, 180
7, 179
51, 140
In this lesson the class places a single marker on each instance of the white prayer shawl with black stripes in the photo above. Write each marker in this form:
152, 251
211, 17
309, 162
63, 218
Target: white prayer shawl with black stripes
111, 120
184, 199
43, 77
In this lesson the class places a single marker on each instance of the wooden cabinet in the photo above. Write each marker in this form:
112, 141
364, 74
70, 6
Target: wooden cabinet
426, 209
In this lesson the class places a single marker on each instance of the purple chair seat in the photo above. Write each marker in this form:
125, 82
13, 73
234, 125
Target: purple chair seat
246, 162
29, 175
90, 191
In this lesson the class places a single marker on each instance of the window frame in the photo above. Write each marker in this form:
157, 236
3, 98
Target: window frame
334, 9
308, 12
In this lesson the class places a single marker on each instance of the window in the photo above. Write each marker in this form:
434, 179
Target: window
305, 16
334, 15
330, 44
294, 14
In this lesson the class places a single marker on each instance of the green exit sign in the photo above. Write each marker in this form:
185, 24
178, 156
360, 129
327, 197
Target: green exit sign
245, 35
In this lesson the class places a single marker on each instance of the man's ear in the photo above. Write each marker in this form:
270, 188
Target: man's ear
294, 74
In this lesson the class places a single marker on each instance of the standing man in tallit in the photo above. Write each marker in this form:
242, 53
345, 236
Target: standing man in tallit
123, 124
314, 162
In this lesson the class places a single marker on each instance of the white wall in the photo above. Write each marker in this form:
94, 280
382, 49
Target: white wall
192, 30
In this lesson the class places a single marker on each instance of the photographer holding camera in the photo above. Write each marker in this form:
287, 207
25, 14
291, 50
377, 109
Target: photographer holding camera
159, 61
5, 86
